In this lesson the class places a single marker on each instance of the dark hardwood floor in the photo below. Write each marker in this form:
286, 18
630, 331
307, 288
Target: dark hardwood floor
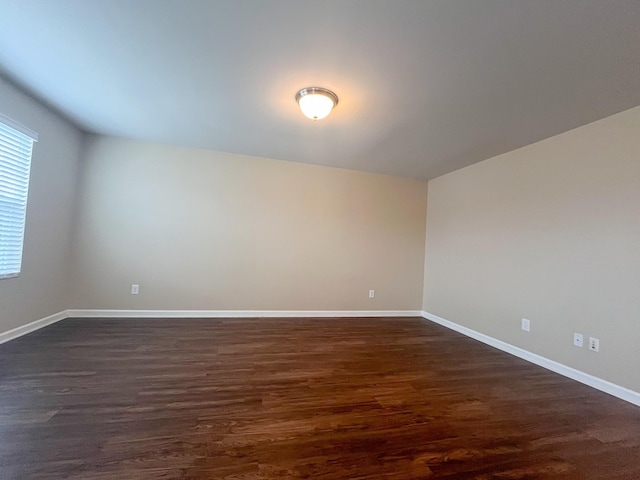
296, 398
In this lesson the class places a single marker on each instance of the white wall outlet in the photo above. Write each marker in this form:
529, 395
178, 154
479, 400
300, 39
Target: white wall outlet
135, 289
594, 344
578, 340
372, 293
526, 325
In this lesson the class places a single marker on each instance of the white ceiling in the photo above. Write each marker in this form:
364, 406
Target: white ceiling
425, 86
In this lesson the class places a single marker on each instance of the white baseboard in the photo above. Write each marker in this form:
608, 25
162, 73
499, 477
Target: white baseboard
595, 382
79, 313
31, 327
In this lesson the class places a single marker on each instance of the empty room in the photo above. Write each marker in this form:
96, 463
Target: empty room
347, 239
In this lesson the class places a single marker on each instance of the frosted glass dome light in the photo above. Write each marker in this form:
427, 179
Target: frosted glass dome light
316, 102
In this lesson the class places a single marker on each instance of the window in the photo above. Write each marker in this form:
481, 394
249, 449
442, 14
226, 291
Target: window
16, 144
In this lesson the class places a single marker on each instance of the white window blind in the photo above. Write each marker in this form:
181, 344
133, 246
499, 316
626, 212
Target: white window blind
16, 145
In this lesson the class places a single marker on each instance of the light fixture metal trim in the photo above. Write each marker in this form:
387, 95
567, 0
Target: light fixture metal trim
317, 91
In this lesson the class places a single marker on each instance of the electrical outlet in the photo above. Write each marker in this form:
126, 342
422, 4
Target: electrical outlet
526, 325
135, 289
372, 293
594, 344
578, 340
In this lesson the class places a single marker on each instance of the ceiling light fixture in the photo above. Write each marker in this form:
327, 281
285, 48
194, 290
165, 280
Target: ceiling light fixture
316, 102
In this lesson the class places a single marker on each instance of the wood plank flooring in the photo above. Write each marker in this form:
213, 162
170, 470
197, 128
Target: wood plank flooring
286, 399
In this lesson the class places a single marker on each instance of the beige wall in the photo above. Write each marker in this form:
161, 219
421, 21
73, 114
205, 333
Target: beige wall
42, 288
549, 232
199, 229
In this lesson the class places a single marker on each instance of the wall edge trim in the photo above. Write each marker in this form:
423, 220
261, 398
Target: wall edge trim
18, 332
31, 326
605, 386
99, 313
